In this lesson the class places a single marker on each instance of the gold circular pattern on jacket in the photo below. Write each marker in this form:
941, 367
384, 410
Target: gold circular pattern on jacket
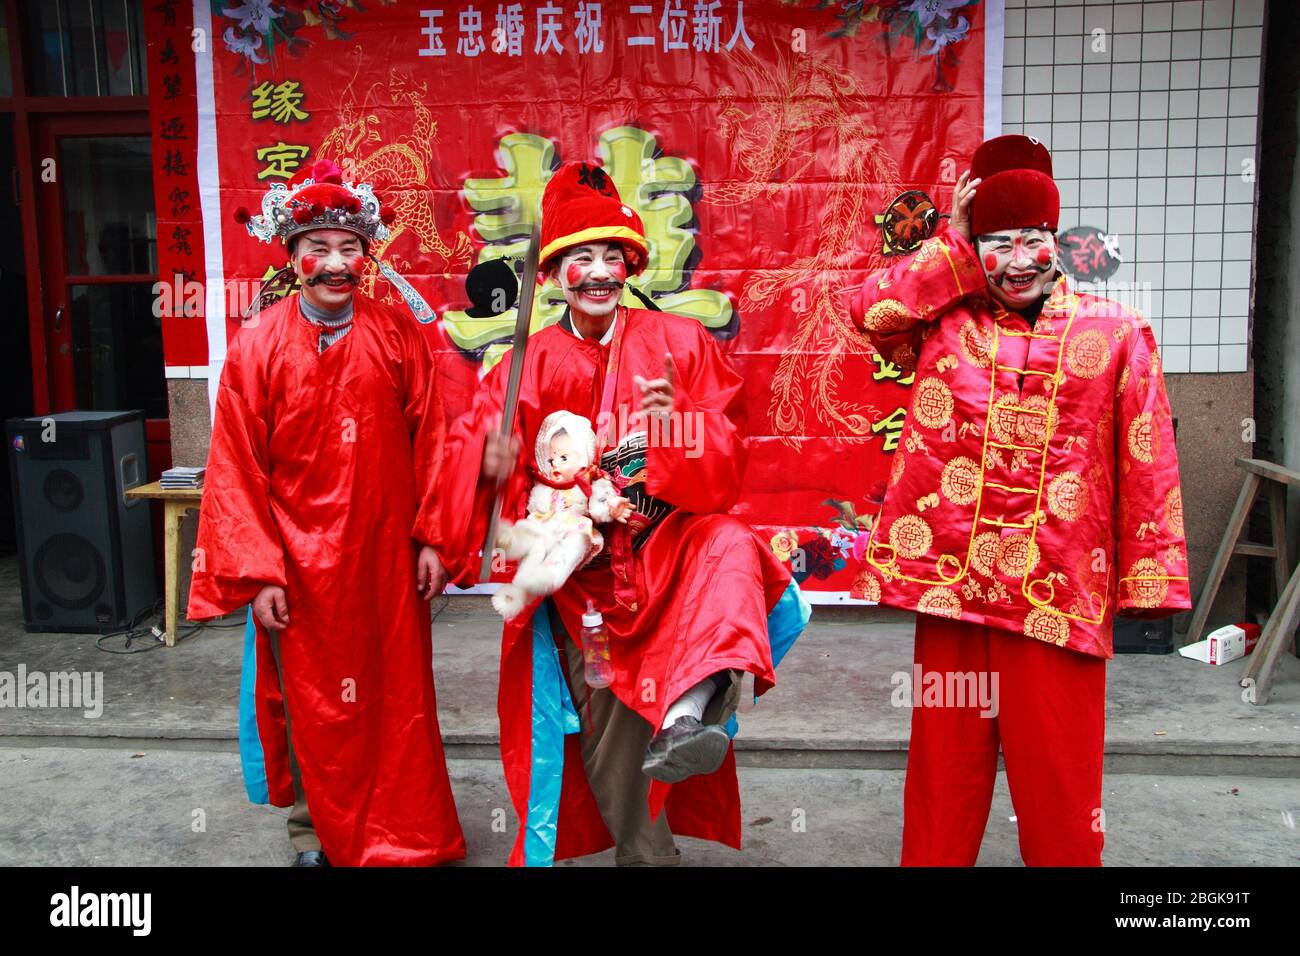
1105, 428
1174, 510
976, 343
939, 601
1088, 354
904, 357
1027, 421
910, 536
1002, 418
1034, 427
932, 404
887, 315
1067, 496
984, 552
960, 482
1150, 592
1143, 441
1045, 626
866, 586
1017, 556
896, 468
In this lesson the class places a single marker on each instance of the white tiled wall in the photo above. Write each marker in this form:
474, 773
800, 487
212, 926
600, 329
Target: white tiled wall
1153, 138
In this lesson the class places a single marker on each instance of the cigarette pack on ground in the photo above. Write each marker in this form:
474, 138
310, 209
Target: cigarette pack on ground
1226, 644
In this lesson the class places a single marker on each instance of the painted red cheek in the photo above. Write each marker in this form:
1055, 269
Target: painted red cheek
618, 270
573, 274
1044, 256
354, 265
990, 262
309, 264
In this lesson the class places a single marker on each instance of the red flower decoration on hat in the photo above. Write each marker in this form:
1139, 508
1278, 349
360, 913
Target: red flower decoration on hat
318, 198
321, 171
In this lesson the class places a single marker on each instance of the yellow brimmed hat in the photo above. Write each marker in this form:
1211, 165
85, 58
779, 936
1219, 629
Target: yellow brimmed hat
581, 205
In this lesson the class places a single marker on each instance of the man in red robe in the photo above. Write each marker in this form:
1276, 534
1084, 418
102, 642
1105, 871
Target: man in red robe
1034, 494
692, 597
321, 509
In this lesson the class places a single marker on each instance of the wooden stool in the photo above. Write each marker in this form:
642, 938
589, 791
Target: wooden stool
1278, 633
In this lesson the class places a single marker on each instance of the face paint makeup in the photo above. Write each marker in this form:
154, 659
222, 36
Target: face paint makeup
1019, 266
592, 280
309, 264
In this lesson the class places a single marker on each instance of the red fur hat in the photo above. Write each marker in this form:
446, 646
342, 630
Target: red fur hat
1017, 188
582, 205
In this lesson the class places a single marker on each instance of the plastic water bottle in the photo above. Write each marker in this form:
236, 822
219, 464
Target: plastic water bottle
597, 671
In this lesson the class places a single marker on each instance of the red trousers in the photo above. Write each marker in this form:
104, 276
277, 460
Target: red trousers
1050, 721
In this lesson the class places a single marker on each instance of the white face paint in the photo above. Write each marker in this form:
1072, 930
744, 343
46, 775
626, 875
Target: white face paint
592, 277
1020, 265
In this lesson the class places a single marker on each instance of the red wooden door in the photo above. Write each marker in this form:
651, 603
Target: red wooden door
99, 263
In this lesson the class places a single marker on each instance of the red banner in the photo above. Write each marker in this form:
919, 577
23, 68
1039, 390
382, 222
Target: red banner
173, 113
776, 151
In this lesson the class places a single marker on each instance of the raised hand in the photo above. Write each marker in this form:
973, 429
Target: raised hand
657, 393
959, 221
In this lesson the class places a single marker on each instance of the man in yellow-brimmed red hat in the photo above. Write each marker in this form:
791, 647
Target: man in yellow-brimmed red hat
691, 597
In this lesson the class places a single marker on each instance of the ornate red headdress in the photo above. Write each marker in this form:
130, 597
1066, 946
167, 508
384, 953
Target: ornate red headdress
1017, 188
581, 205
318, 198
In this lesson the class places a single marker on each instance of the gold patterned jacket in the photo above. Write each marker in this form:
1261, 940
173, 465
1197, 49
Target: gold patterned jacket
1035, 488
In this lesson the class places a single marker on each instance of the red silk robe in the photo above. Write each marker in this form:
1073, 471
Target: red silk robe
322, 479
690, 600
1042, 502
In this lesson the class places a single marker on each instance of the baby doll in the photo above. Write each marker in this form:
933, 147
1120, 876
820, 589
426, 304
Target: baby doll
568, 495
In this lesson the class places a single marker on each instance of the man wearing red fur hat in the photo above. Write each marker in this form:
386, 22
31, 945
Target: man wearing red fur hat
692, 597
1040, 448
321, 510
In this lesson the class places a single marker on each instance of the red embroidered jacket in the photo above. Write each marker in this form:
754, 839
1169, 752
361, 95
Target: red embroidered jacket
1035, 488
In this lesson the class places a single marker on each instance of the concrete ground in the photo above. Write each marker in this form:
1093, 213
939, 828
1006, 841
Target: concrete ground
71, 806
1195, 776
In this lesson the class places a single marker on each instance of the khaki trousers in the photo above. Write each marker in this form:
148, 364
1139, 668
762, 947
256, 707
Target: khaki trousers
302, 835
614, 741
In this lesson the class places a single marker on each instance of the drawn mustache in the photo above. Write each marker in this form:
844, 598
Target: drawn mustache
331, 276
598, 285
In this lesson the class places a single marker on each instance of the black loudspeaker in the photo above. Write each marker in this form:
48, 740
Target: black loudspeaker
1132, 635
85, 551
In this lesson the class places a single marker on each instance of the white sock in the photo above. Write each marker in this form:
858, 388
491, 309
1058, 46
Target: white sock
691, 703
